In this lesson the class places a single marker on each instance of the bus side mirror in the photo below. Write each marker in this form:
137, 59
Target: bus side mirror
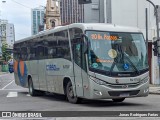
85, 47
77, 39
86, 44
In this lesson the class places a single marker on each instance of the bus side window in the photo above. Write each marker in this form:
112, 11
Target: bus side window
62, 48
24, 53
40, 52
16, 51
77, 53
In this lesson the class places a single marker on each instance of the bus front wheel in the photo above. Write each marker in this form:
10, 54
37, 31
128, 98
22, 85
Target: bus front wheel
118, 100
70, 94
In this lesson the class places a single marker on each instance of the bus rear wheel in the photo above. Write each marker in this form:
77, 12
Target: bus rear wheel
32, 91
70, 94
118, 100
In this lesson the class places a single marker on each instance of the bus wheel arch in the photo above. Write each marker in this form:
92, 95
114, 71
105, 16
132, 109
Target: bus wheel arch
29, 76
32, 91
68, 89
65, 82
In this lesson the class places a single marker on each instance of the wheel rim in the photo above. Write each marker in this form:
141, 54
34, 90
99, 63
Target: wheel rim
30, 87
70, 93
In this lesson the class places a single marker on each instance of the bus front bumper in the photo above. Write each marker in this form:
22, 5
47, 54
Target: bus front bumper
105, 92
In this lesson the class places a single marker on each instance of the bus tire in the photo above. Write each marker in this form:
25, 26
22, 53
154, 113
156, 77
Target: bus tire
70, 94
32, 91
118, 100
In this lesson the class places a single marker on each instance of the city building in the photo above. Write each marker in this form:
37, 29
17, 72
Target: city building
10, 35
52, 14
95, 12
7, 33
0, 42
127, 13
3, 24
71, 12
37, 17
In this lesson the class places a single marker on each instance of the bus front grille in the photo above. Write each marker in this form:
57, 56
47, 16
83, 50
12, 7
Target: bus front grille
119, 93
123, 86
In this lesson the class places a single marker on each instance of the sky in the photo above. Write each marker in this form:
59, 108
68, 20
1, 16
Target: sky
18, 12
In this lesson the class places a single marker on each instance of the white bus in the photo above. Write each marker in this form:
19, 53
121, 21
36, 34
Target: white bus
92, 61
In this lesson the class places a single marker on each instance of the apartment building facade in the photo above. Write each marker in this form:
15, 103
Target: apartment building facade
37, 18
71, 12
7, 33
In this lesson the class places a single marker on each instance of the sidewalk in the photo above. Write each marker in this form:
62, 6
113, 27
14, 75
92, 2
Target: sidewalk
154, 89
1, 73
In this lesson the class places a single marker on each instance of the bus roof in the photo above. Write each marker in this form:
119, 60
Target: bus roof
86, 26
105, 27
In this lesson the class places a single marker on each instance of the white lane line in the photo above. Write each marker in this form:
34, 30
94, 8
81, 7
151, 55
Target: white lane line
12, 94
14, 90
7, 85
28, 95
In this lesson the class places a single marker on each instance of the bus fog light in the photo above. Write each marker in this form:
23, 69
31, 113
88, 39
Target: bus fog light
96, 92
146, 90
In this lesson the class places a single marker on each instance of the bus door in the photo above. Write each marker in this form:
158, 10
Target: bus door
77, 66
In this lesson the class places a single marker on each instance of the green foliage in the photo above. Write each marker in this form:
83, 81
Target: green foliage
5, 54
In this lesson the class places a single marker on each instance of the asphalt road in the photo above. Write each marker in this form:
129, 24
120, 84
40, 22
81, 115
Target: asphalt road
15, 98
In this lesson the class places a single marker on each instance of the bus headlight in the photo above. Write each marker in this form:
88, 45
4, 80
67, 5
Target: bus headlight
145, 80
98, 81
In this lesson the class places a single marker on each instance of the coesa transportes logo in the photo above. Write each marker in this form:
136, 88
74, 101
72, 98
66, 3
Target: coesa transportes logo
20, 68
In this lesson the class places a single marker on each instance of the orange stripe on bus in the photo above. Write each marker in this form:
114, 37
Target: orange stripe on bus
15, 66
21, 68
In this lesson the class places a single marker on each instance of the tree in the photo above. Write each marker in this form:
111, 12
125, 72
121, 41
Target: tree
6, 55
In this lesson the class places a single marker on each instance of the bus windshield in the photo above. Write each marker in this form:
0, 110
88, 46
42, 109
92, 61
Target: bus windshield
117, 51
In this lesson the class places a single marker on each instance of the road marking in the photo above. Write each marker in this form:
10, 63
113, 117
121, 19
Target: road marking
28, 95
12, 94
15, 94
2, 75
13, 90
7, 85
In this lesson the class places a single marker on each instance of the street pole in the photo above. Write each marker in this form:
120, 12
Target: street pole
156, 15
158, 42
105, 11
147, 29
99, 11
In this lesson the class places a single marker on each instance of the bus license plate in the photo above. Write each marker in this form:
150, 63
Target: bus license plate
124, 94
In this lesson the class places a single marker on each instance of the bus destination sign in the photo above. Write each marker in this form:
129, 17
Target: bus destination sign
103, 37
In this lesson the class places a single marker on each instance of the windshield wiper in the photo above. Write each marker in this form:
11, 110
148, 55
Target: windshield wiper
122, 57
131, 63
113, 65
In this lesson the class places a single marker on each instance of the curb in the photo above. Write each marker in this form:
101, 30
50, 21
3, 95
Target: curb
155, 93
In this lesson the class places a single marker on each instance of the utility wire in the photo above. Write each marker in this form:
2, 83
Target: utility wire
21, 4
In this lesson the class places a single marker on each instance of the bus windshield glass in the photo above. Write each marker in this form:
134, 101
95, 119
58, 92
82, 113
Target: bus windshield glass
117, 51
